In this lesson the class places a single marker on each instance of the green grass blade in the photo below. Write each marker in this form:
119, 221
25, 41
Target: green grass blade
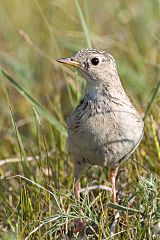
152, 99
44, 112
155, 137
123, 208
40, 187
18, 136
83, 23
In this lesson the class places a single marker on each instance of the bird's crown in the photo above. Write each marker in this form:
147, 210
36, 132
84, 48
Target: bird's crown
89, 51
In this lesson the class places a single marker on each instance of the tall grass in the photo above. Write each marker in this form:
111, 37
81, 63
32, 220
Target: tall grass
37, 95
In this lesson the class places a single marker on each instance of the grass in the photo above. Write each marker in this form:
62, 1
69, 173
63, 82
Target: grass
36, 96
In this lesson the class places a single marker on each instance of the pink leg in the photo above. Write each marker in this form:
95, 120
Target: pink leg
79, 225
78, 170
113, 174
77, 187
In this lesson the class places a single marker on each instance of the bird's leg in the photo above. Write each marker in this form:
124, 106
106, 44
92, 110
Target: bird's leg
77, 187
113, 174
78, 170
79, 224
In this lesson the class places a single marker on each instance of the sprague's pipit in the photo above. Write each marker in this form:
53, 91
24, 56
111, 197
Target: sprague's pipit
105, 128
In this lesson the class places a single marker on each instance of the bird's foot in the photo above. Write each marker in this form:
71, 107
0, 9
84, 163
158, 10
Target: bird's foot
79, 226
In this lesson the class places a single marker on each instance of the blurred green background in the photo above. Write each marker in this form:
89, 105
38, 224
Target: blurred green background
33, 34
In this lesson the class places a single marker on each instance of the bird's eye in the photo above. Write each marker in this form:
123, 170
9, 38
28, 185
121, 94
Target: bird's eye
94, 61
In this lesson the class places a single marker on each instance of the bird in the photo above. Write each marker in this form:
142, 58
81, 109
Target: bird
105, 128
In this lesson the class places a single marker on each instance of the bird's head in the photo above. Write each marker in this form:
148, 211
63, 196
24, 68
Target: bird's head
97, 66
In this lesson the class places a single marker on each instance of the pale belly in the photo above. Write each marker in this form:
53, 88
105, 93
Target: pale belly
106, 140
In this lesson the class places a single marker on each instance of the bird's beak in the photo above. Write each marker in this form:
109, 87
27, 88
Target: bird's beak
69, 61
